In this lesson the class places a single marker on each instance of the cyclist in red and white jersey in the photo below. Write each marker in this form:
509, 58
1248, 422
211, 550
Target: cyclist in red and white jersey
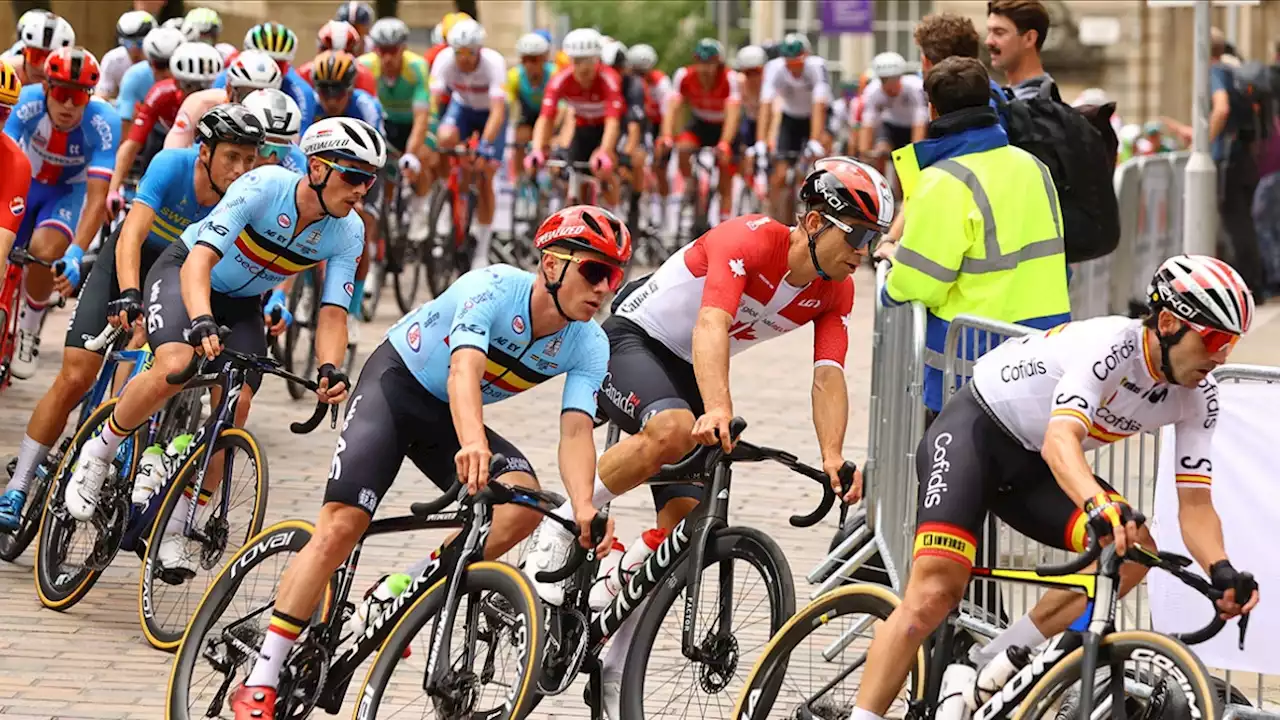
641, 61
715, 108
594, 93
15, 168
672, 334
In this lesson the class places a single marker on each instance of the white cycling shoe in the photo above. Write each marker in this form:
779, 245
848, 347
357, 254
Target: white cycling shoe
178, 554
26, 356
85, 486
611, 694
549, 548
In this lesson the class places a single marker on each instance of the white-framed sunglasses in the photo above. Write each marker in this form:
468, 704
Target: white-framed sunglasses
856, 236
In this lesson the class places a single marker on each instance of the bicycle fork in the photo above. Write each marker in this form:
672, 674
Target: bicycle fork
438, 665
704, 532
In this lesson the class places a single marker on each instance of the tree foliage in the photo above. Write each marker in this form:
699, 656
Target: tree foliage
672, 27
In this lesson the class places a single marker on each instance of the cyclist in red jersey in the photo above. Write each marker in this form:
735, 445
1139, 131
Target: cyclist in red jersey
715, 108
672, 333
15, 168
594, 93
338, 35
193, 67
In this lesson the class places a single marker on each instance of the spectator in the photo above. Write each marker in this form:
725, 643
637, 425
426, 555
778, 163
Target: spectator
1233, 153
983, 235
1016, 30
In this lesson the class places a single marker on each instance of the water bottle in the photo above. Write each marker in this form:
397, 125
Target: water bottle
955, 693
608, 568
388, 588
149, 476
631, 561
997, 672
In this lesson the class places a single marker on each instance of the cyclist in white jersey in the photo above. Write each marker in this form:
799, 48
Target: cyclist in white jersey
895, 111
131, 28
798, 82
1013, 440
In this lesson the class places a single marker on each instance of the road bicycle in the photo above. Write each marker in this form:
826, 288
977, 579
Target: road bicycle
449, 245
1135, 673
695, 202
753, 193
648, 249
404, 261
298, 352
456, 672
72, 555
10, 303
717, 635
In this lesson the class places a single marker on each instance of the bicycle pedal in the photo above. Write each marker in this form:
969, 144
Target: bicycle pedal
174, 577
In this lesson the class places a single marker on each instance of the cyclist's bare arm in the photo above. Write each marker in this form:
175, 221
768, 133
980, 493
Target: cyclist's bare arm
732, 116
541, 133
818, 120
129, 246
763, 118
6, 245
1201, 526
196, 280
867, 138
711, 357
830, 411
466, 371
95, 210
125, 156
418, 133
497, 121
918, 132
577, 457
612, 130
775, 123
331, 335
1063, 452
674, 102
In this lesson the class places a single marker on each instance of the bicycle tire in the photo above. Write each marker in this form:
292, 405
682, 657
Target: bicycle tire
511, 585
62, 590
439, 251
1118, 646
300, 333
284, 536
732, 543
765, 680
408, 258
164, 635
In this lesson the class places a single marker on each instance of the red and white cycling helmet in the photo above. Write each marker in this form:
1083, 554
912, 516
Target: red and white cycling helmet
586, 227
1203, 291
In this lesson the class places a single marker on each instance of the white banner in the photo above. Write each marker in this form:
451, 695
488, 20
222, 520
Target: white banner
1246, 494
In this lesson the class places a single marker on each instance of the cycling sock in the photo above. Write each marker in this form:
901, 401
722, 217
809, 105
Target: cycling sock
1022, 632
600, 496
481, 257
30, 315
617, 655
178, 518
860, 714
30, 455
357, 297
281, 634
103, 445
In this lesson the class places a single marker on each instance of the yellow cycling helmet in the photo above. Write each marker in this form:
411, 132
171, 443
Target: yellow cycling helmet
334, 68
452, 19
10, 85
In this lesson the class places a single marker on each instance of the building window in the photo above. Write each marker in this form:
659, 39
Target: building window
896, 22
802, 16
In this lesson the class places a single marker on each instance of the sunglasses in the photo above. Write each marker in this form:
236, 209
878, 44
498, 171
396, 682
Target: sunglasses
857, 236
130, 44
73, 94
1214, 340
332, 92
273, 151
593, 271
393, 51
351, 176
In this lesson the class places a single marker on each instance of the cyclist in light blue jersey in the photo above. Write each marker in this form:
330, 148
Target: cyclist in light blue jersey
179, 188
158, 46
271, 224
494, 333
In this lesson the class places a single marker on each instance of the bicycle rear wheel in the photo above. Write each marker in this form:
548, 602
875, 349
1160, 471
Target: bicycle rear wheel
13, 544
167, 598
499, 612
745, 568
440, 252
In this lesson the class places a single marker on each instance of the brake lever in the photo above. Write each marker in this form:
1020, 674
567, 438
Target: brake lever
1244, 587
333, 416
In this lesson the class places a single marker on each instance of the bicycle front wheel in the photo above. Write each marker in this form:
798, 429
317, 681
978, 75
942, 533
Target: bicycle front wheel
810, 668
299, 338
440, 252
747, 582
167, 597
1161, 676
495, 652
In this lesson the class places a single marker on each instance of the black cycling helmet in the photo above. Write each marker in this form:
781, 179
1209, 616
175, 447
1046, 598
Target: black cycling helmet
356, 13
770, 49
228, 123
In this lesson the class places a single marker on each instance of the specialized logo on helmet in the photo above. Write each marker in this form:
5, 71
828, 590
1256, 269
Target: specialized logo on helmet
564, 231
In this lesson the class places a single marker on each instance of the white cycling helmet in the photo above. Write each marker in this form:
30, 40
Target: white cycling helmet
201, 22
642, 57
134, 25
532, 45
466, 34
254, 69
160, 44
389, 32
437, 34
195, 63
751, 57
277, 111
47, 32
583, 43
1202, 290
345, 137
889, 65
29, 17
612, 53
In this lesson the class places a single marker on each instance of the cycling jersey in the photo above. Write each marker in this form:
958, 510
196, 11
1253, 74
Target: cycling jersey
657, 86
908, 108
476, 89
798, 94
295, 87
750, 100
740, 266
15, 179
592, 105
401, 96
364, 77
433, 52
168, 187
523, 99
134, 84
157, 111
183, 133
295, 160
254, 231
363, 106
1098, 373
707, 104
112, 68
67, 157
489, 310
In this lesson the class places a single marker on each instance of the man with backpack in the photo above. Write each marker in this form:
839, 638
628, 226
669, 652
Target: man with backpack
1016, 30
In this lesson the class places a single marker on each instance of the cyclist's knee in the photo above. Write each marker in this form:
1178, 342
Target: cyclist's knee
48, 243
934, 590
243, 405
172, 358
337, 531
672, 431
79, 370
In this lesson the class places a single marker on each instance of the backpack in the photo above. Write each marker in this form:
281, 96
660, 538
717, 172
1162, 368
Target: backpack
1080, 155
1252, 100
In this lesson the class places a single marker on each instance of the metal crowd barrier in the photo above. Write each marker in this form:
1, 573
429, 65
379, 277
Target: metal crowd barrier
1150, 191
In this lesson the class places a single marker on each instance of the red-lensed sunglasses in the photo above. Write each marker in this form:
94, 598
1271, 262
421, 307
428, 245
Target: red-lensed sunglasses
593, 271
1215, 340
74, 94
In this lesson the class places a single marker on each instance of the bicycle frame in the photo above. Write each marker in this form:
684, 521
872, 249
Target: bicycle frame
461, 185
